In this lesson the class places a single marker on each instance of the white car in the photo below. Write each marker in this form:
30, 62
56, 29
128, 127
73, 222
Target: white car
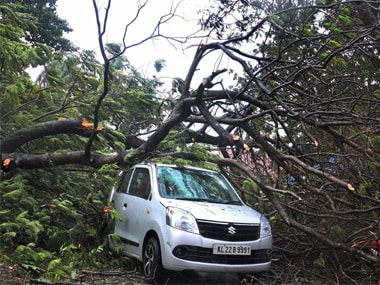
186, 218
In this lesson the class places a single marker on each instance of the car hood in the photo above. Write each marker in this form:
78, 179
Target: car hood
216, 212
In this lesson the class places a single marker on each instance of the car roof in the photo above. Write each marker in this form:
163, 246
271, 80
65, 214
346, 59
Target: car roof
173, 165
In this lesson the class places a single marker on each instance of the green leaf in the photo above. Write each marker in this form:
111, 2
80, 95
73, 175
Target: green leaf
250, 185
8, 236
4, 213
113, 48
334, 43
308, 33
344, 19
54, 264
320, 261
159, 64
7, 226
13, 196
275, 18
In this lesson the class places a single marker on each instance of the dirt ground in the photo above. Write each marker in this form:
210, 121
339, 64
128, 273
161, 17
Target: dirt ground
11, 274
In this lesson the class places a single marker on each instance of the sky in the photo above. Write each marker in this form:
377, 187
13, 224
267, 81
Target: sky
81, 18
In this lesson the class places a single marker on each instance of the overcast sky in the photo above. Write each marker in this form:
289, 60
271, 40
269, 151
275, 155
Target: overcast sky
81, 17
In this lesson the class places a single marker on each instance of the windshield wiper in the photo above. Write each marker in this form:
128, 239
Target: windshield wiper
194, 199
209, 200
232, 202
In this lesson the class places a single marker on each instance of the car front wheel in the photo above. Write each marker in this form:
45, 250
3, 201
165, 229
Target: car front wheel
152, 260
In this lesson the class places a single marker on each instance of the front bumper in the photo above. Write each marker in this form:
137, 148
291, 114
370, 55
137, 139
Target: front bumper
186, 251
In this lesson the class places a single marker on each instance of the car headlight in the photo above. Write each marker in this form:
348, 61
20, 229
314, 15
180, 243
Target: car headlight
181, 219
265, 229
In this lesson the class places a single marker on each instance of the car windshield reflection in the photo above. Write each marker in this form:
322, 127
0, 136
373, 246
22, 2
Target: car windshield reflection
195, 185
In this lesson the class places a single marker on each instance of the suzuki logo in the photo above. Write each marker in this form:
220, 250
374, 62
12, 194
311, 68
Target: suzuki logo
231, 230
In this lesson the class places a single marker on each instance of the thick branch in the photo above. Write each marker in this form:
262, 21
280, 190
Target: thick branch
180, 112
24, 160
22, 136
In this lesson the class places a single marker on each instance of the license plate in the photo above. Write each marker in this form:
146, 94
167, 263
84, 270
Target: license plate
229, 249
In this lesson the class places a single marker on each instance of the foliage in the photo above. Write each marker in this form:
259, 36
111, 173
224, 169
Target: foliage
52, 221
43, 26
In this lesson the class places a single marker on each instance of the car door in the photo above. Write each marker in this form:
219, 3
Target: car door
131, 203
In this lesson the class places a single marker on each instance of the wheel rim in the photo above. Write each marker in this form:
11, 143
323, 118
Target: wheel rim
149, 260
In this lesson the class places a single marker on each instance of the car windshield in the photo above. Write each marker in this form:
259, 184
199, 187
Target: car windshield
195, 185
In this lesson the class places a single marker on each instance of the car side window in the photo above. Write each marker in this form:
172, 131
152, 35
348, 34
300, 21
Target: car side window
140, 183
123, 185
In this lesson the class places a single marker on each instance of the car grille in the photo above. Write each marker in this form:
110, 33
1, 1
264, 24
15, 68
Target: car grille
200, 254
229, 231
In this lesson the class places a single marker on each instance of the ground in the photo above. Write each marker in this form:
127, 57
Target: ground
281, 273
12, 274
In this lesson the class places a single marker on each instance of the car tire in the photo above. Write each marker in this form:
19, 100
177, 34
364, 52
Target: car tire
152, 266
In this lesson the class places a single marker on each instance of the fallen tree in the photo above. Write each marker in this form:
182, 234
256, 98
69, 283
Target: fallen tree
298, 129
